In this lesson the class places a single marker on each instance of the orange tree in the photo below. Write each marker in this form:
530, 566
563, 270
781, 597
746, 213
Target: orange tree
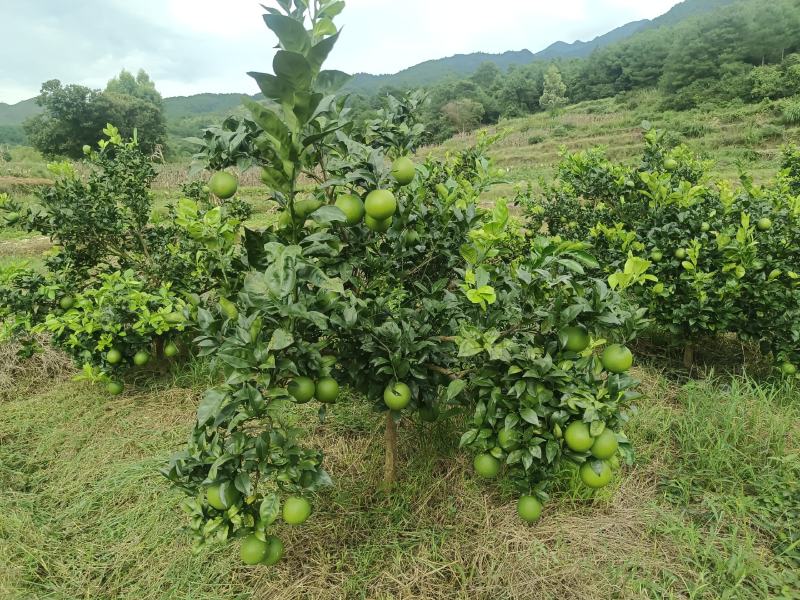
391, 278
721, 260
120, 281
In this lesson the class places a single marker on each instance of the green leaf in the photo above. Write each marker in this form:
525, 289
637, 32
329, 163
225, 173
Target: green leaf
272, 87
280, 339
210, 405
468, 437
243, 483
572, 265
269, 509
269, 121
469, 347
469, 253
596, 428
319, 53
293, 68
529, 415
328, 214
291, 33
586, 258
455, 388
329, 82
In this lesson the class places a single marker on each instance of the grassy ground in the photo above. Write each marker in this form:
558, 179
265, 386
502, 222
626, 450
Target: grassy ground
710, 509
745, 137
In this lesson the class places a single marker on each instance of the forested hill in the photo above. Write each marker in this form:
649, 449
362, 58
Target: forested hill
463, 65
424, 74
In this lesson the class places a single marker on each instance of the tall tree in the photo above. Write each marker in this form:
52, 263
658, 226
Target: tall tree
463, 114
553, 96
75, 115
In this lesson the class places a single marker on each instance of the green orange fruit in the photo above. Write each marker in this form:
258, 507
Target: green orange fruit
616, 358
397, 396
529, 508
403, 170
222, 495
223, 185
376, 225
605, 445
296, 510
141, 358
577, 339
67, 302
304, 208
114, 388
302, 389
352, 207
274, 551
380, 204
253, 551
508, 439
114, 356
595, 473
327, 390
486, 465
170, 350
577, 437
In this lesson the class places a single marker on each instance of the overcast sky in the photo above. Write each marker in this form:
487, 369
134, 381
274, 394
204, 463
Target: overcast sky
192, 46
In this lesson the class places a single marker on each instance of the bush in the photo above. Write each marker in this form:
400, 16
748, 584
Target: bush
694, 129
427, 305
118, 273
536, 139
721, 260
790, 113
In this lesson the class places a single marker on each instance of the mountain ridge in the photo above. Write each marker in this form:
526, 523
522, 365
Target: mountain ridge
422, 74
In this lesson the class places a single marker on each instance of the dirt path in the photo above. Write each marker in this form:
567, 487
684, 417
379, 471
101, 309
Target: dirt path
25, 247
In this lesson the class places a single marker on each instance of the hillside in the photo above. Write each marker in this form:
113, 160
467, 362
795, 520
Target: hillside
15, 114
206, 107
463, 65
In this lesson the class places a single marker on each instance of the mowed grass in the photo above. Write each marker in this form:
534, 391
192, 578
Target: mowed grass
709, 510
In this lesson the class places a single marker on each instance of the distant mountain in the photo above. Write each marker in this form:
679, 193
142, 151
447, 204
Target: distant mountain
186, 112
15, 114
432, 71
463, 65
581, 49
179, 107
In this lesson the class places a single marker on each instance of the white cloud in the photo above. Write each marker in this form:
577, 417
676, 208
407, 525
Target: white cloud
191, 46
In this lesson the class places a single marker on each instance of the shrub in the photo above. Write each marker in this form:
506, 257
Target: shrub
790, 113
118, 270
722, 260
429, 305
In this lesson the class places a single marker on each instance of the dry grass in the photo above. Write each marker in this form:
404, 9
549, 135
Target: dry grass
85, 514
21, 375
25, 247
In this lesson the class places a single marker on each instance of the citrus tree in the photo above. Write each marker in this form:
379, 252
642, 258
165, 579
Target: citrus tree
120, 281
386, 276
720, 259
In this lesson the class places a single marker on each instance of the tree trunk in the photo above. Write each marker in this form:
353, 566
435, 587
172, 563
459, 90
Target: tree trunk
390, 464
688, 355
